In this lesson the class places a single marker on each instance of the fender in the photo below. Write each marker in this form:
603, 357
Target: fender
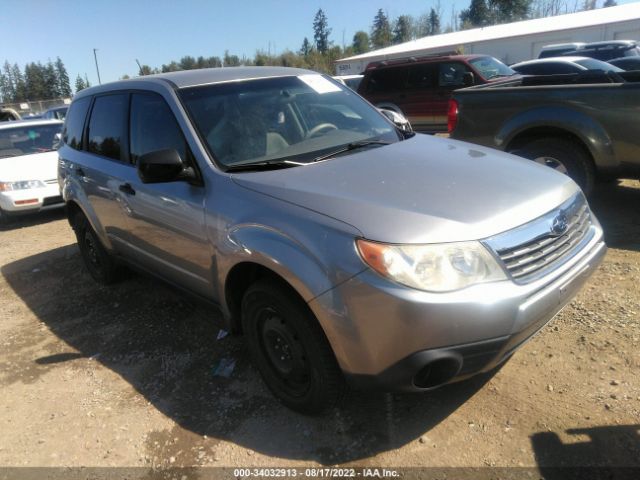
279, 252
590, 132
72, 192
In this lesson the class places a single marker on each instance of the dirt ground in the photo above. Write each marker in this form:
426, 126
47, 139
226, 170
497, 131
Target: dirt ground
123, 376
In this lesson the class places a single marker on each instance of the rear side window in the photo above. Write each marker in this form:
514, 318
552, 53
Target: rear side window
107, 126
74, 124
421, 76
387, 80
154, 127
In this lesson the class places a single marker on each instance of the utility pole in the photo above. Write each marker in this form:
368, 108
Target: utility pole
95, 57
139, 68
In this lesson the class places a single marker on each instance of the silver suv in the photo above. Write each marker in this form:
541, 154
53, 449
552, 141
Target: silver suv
346, 250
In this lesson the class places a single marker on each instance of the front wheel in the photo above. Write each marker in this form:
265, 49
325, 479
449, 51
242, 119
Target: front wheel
290, 349
564, 156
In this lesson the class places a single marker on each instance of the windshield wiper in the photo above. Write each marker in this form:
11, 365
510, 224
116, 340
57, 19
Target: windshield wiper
261, 165
349, 147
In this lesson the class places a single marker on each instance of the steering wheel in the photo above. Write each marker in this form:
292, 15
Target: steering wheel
321, 128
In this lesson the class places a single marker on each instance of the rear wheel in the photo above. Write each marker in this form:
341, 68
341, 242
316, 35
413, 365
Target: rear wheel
564, 156
101, 266
290, 349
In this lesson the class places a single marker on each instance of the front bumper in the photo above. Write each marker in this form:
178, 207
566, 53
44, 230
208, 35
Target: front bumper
31, 199
383, 334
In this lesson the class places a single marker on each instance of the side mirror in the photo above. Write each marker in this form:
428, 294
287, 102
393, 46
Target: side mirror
57, 140
468, 79
397, 119
163, 166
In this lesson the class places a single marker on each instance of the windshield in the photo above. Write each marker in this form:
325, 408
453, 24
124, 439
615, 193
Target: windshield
490, 68
297, 118
27, 139
593, 64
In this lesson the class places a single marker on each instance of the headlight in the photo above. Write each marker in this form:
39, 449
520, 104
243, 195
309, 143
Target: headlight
436, 268
22, 185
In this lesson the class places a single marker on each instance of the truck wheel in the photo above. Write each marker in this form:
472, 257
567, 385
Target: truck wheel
564, 156
101, 266
290, 349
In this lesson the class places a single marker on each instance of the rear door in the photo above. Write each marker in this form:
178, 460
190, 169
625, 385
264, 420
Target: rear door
450, 78
97, 161
166, 220
419, 101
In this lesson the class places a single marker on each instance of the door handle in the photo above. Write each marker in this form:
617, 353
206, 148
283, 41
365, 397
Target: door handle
127, 188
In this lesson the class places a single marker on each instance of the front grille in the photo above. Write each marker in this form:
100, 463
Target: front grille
533, 250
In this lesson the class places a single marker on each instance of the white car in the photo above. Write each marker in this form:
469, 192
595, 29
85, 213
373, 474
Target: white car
28, 166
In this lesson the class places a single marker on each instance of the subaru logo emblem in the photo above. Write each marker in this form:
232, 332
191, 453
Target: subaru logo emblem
559, 224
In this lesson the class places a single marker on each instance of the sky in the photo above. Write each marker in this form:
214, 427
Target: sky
159, 31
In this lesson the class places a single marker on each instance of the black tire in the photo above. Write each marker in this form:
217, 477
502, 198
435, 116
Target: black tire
289, 349
569, 154
4, 218
101, 266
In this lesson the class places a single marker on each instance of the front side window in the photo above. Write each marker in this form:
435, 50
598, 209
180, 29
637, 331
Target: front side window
451, 74
153, 127
107, 125
74, 123
490, 68
297, 118
388, 80
26, 140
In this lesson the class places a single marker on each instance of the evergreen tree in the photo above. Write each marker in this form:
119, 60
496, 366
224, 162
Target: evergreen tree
50, 80
321, 32
306, 48
19, 85
8, 85
505, 11
434, 22
477, 15
402, 29
187, 63
380, 31
80, 85
34, 77
360, 42
610, 3
64, 88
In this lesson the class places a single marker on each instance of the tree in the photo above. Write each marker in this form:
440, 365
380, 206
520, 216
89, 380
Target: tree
306, 47
187, 63
34, 77
50, 80
434, 22
402, 29
380, 31
505, 11
64, 88
360, 42
146, 70
321, 31
230, 60
8, 91
80, 85
19, 85
477, 15
610, 3
171, 67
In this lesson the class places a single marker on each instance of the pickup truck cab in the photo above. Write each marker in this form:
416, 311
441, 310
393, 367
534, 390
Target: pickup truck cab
344, 249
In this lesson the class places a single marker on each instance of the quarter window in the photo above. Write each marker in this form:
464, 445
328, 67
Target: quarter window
74, 125
106, 126
154, 127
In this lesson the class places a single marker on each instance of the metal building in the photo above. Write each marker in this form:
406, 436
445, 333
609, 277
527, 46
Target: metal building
514, 42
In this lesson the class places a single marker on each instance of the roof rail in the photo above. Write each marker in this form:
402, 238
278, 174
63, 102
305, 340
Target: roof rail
412, 58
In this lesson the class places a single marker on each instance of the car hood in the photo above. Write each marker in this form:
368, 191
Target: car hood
37, 166
421, 190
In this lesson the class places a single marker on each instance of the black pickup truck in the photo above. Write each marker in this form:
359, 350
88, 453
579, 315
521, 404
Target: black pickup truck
585, 125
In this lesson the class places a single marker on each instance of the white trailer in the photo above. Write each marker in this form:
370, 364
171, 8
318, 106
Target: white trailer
514, 42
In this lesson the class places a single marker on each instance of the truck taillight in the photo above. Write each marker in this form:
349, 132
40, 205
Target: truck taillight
452, 115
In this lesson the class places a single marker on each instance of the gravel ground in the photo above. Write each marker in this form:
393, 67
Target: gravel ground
123, 376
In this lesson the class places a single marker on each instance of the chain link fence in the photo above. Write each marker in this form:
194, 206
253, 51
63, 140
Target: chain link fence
36, 107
